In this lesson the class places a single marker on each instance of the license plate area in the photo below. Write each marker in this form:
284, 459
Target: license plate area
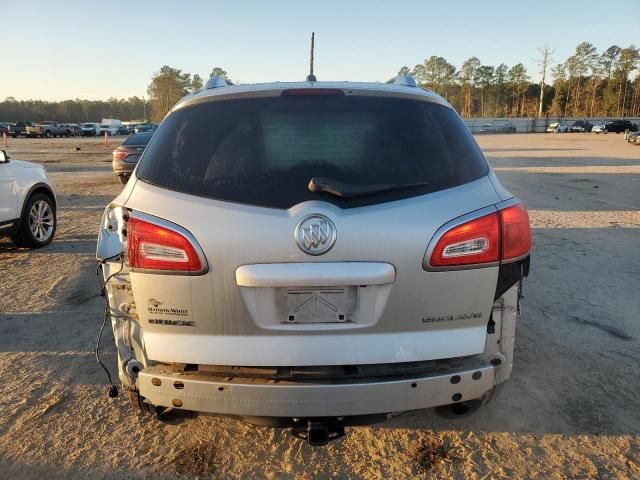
309, 305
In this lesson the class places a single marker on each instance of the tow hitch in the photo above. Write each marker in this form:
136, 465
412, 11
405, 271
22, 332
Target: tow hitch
318, 431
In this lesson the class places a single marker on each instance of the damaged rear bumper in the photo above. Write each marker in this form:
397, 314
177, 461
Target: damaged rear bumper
277, 398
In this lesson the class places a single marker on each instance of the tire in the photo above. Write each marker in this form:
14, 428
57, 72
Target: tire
38, 223
123, 179
605, 131
47, 134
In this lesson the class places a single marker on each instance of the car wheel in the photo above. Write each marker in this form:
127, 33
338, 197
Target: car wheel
123, 179
47, 134
38, 223
605, 131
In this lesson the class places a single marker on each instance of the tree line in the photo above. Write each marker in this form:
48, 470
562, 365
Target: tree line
587, 84
72, 111
167, 86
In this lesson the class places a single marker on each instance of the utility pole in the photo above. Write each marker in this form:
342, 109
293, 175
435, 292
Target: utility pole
544, 61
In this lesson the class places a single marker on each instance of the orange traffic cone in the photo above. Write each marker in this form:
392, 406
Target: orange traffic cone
106, 139
5, 140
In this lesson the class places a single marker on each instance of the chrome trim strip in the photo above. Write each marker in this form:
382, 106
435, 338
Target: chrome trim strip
180, 230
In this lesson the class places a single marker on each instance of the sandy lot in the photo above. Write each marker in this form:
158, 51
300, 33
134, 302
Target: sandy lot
571, 409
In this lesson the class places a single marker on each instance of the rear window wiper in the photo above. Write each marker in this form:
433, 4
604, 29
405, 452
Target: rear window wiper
346, 190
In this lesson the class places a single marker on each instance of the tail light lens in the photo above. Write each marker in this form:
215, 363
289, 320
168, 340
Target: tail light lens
500, 236
516, 232
155, 247
476, 241
120, 154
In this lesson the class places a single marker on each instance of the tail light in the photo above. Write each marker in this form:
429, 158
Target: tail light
516, 232
473, 242
504, 235
120, 154
154, 246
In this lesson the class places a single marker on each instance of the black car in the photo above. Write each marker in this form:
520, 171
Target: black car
146, 127
126, 156
581, 126
620, 126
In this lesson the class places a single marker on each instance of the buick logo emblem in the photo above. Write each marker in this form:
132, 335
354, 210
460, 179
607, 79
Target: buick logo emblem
315, 234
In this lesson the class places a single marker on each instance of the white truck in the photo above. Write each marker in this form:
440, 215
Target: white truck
109, 125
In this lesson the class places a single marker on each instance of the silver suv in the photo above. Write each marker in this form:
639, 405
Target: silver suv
313, 255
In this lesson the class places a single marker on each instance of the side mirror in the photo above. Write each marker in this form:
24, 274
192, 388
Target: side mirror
4, 158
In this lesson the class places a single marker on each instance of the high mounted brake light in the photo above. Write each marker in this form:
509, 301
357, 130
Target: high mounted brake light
504, 236
153, 246
311, 92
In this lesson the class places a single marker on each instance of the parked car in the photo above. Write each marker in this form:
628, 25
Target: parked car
619, 126
123, 130
20, 128
600, 128
126, 156
634, 138
74, 128
27, 203
581, 126
497, 128
146, 127
90, 129
282, 270
558, 127
108, 129
48, 129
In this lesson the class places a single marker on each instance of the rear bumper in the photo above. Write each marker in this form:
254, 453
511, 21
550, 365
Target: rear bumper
122, 168
276, 398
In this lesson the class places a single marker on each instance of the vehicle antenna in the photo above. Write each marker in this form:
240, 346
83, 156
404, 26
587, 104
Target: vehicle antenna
311, 77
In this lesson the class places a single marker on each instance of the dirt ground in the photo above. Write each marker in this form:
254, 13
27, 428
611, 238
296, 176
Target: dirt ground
571, 409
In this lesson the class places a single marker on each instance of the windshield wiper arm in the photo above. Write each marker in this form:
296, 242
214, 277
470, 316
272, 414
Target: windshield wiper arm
346, 190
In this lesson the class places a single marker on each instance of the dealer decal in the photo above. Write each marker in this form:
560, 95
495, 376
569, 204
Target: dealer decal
155, 307
172, 323
450, 318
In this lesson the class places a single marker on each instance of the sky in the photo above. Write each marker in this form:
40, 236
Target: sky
55, 50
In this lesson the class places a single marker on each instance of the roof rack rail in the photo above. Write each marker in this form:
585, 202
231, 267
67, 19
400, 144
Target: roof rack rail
216, 82
405, 80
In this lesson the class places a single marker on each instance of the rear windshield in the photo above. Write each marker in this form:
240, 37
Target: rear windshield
138, 139
265, 151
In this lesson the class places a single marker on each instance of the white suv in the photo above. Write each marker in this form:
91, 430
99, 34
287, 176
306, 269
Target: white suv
27, 203
313, 255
